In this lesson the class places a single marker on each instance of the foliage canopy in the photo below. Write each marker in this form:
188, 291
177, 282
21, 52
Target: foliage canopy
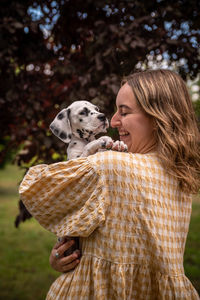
55, 52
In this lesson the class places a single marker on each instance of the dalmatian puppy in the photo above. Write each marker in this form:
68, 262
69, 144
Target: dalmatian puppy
77, 126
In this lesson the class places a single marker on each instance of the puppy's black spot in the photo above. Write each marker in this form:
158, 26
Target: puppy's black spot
80, 133
80, 120
69, 136
60, 116
90, 132
63, 135
75, 143
87, 130
56, 131
68, 112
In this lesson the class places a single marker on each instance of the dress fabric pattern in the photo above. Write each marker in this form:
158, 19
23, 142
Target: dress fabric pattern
132, 220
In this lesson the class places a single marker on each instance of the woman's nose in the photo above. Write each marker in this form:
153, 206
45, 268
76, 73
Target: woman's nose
115, 122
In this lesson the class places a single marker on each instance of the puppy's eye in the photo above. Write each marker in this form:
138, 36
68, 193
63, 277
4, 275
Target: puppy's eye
96, 108
83, 113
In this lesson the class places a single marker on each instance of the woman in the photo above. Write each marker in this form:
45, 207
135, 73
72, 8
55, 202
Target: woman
130, 210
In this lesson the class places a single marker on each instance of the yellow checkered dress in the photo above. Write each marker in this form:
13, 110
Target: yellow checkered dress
132, 219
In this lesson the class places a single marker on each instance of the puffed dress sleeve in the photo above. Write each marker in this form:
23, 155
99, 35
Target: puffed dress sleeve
66, 198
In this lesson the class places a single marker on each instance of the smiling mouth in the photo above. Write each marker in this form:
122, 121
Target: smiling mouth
123, 134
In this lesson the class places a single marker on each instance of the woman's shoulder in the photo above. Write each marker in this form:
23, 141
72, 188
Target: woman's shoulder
114, 159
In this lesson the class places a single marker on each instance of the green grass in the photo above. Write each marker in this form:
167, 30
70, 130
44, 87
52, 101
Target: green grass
25, 273
192, 252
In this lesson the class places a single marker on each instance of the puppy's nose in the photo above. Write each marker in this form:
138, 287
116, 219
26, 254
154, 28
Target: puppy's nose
101, 117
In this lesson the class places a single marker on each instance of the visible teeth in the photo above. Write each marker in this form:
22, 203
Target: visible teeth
122, 134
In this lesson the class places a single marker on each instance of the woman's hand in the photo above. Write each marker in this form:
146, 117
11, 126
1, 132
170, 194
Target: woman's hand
62, 263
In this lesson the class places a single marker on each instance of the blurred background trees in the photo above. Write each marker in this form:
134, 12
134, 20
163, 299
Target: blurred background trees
55, 52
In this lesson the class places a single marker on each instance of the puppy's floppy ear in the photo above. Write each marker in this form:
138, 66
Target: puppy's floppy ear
61, 126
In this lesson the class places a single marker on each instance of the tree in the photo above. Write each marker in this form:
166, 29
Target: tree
55, 52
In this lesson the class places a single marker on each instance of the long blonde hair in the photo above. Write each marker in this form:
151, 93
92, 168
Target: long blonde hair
164, 96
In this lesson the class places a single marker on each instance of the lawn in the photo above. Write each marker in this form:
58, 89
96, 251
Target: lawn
25, 273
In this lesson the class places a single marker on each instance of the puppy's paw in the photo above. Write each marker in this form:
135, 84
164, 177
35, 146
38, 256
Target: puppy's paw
106, 142
120, 146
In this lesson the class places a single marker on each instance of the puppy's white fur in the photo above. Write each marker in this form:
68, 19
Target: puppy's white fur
77, 125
